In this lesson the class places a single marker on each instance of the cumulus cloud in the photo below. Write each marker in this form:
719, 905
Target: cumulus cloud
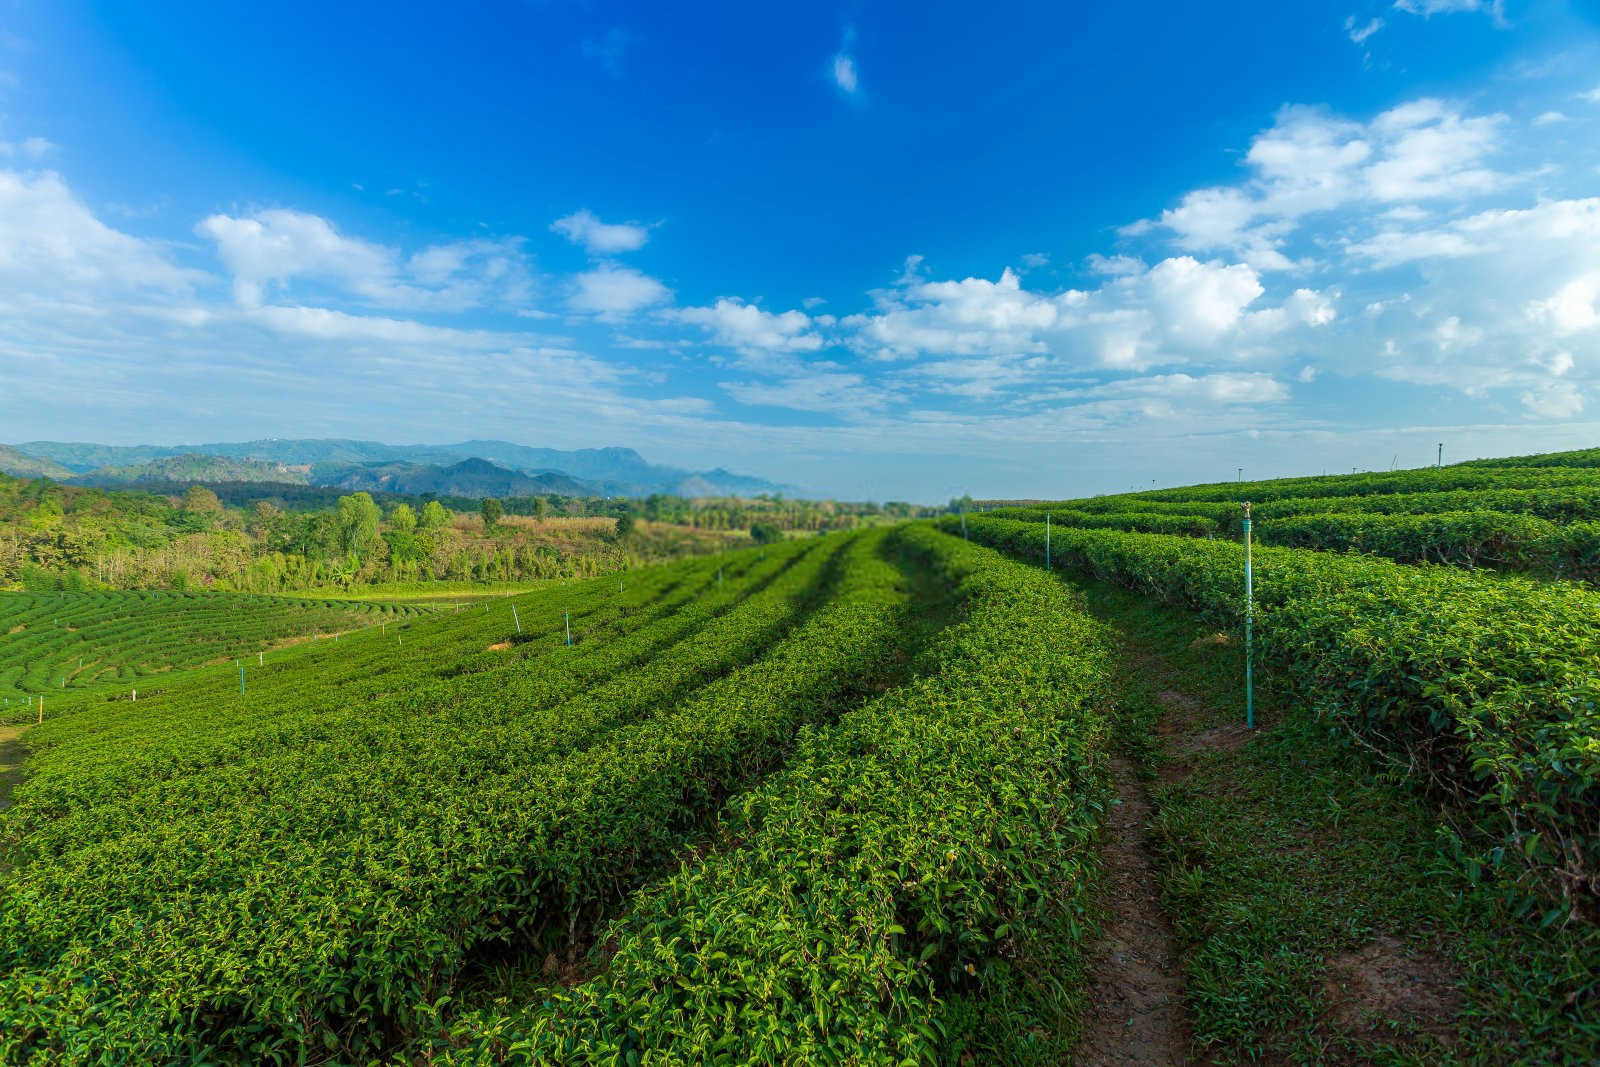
1181, 309
612, 291
601, 238
269, 252
750, 329
1574, 308
50, 241
1200, 301
1311, 162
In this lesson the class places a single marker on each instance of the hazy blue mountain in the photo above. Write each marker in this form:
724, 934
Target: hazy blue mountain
469, 478
195, 467
22, 464
614, 471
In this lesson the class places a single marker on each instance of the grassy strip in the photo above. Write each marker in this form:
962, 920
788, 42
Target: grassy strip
1293, 852
912, 888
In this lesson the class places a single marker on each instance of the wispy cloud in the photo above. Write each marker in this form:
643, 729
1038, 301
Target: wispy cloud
1358, 32
844, 65
1495, 9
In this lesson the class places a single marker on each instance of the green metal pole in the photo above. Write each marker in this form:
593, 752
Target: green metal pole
1047, 540
1249, 630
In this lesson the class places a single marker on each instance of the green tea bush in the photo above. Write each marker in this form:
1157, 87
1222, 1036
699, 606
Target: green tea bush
926, 862
1483, 687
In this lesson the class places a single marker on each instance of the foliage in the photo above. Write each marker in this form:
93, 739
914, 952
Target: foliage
1282, 854
926, 861
349, 833
1485, 686
59, 643
765, 533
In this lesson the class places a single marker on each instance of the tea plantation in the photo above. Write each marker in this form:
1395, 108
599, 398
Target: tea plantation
839, 800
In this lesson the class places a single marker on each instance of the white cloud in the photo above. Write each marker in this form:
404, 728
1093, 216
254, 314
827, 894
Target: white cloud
1574, 308
1180, 310
1428, 8
973, 316
750, 329
1553, 400
1593, 95
823, 390
601, 238
271, 251
1392, 247
49, 240
1163, 395
327, 324
1549, 118
1198, 302
612, 290
1358, 33
1311, 162
1116, 266
844, 73
32, 149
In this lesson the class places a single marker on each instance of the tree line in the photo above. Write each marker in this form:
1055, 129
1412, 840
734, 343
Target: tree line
54, 536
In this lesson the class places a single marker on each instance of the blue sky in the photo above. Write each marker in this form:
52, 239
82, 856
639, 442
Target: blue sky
888, 251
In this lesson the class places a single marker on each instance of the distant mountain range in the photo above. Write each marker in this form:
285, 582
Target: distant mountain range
468, 469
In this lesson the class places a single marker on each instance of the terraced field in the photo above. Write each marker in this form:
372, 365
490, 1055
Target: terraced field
50, 642
381, 836
908, 795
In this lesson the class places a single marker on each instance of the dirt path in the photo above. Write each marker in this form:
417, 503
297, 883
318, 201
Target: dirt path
1135, 972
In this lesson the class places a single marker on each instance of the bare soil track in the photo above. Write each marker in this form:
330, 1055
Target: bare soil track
1135, 972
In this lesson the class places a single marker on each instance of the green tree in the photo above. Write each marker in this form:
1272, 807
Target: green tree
626, 524
765, 533
199, 498
492, 511
263, 515
357, 524
434, 515
402, 519
541, 508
